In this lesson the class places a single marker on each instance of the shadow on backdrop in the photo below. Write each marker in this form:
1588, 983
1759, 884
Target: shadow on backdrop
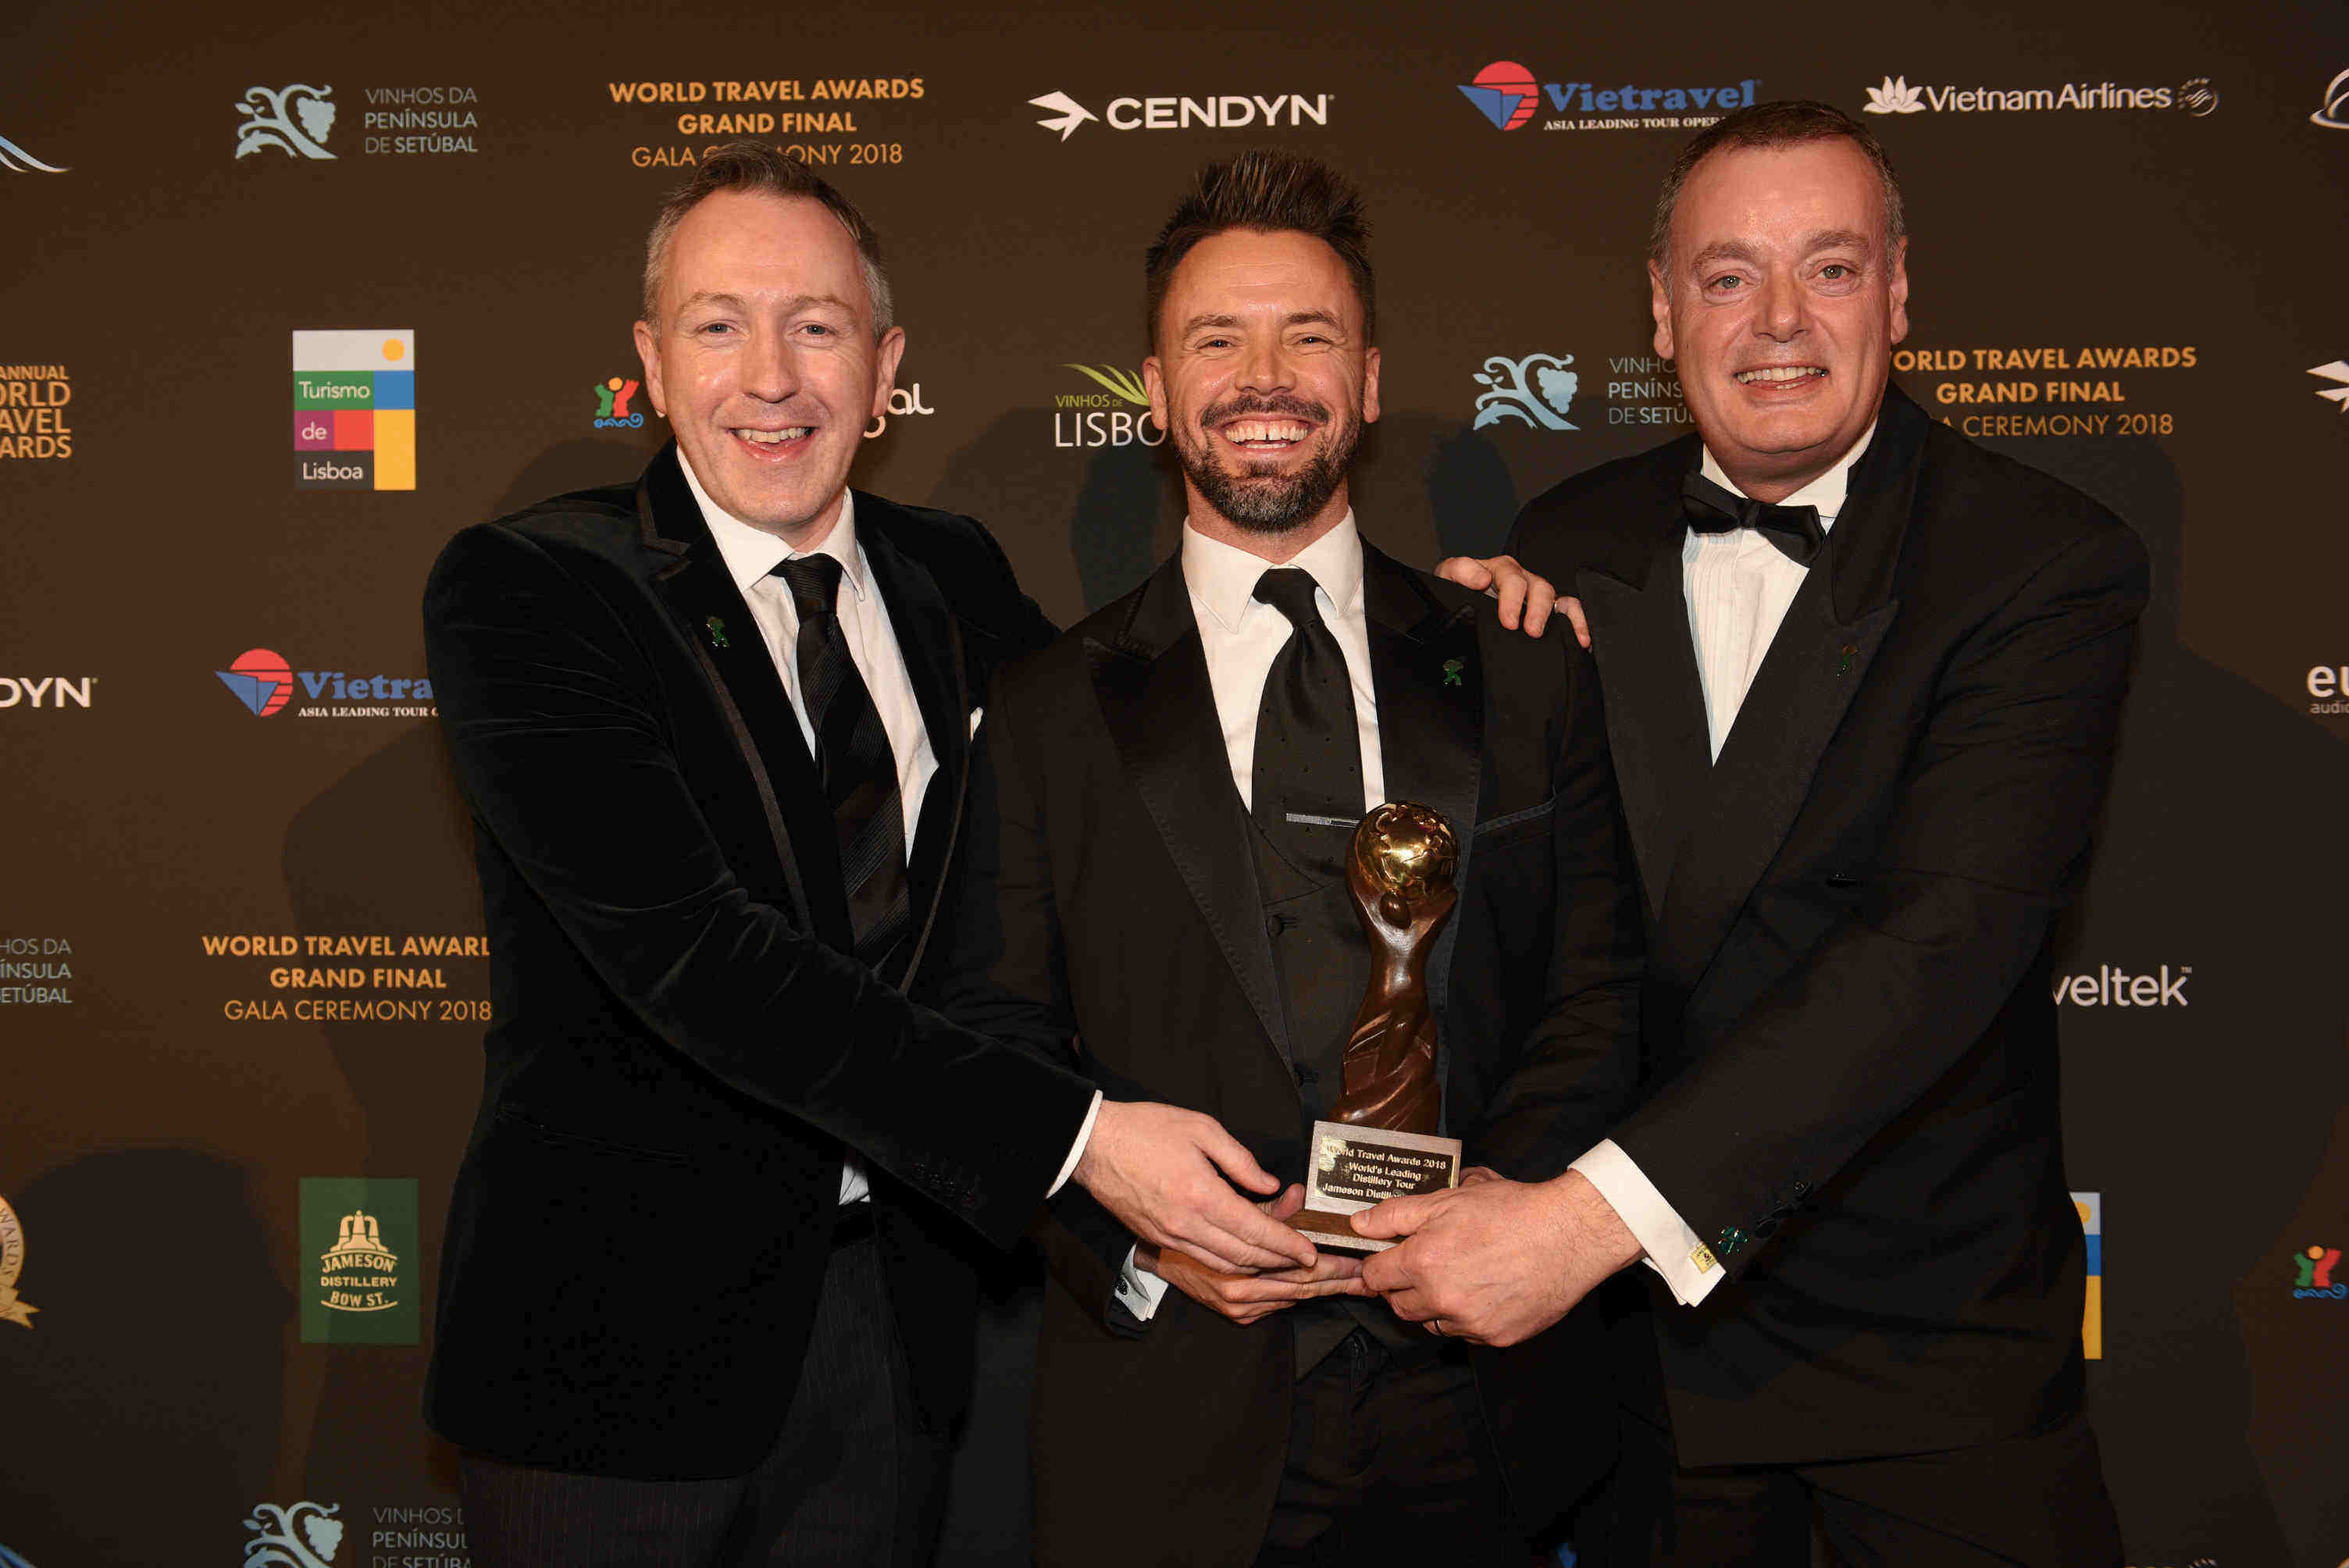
152, 1375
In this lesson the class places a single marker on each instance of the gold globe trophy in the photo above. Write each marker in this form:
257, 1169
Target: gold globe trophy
1380, 1141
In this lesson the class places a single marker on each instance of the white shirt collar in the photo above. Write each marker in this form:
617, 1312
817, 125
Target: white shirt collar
1825, 493
751, 553
1223, 577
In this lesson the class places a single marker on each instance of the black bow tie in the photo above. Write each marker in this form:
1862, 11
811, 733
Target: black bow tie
1793, 529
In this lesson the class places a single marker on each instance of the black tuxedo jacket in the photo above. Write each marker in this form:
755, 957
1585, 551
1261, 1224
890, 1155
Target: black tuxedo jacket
681, 1051
1849, 1078
1114, 920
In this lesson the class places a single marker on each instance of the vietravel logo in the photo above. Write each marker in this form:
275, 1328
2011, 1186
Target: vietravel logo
1213, 112
2312, 1274
267, 683
1506, 94
1894, 95
355, 409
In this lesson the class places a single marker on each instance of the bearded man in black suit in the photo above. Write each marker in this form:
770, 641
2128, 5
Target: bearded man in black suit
1862, 680
1156, 896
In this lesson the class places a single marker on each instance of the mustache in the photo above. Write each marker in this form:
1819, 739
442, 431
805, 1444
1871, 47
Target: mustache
1245, 403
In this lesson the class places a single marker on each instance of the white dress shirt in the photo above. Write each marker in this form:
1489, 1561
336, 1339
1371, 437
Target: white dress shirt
751, 555
1738, 585
1241, 635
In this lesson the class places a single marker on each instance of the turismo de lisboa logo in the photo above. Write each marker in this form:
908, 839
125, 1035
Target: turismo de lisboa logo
1507, 93
355, 409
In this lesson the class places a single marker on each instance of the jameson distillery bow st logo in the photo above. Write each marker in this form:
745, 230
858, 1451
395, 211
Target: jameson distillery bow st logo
359, 1245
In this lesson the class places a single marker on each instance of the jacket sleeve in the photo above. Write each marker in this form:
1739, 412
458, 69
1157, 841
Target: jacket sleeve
1576, 1071
1985, 841
1005, 975
550, 707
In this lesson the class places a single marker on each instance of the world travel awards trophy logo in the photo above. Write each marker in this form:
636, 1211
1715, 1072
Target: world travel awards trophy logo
355, 410
13, 1308
359, 1261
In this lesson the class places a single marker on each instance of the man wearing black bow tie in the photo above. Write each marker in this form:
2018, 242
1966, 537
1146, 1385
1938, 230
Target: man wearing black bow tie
1862, 681
1158, 897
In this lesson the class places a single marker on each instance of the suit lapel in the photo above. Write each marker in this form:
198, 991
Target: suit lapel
1817, 662
930, 641
1647, 666
1152, 683
693, 581
1428, 677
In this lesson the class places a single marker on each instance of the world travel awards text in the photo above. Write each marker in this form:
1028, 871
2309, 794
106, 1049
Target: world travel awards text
316, 977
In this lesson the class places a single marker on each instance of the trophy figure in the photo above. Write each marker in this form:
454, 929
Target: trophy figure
1380, 1141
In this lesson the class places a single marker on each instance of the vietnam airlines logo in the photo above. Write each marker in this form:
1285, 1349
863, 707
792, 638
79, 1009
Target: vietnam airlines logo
261, 680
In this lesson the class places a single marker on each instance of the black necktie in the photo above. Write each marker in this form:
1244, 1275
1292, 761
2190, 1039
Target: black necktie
859, 770
1309, 755
1794, 529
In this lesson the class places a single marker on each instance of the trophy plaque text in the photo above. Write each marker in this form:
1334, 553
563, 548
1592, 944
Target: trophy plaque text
1380, 1141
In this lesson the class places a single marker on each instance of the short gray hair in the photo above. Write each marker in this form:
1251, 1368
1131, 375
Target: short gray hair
1788, 122
755, 166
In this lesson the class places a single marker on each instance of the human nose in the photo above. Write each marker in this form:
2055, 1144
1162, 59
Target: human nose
770, 370
1784, 312
1264, 368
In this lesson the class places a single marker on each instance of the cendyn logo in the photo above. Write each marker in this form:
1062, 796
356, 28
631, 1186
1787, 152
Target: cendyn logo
1223, 111
2111, 987
2336, 371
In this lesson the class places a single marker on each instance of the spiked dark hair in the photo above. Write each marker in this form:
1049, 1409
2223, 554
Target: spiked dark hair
1270, 191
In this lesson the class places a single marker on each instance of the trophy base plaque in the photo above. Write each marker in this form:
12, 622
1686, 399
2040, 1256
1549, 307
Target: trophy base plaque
1358, 1168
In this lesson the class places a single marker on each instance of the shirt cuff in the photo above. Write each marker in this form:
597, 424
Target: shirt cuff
1140, 1292
1678, 1253
1076, 1150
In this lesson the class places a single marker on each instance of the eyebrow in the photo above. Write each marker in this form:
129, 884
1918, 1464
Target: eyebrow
736, 302
1822, 240
1294, 318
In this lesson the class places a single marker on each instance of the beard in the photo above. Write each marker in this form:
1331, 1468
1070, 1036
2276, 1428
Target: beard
1259, 497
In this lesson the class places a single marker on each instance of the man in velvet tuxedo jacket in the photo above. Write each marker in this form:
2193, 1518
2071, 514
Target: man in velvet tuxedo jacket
704, 1294
1862, 736
1155, 896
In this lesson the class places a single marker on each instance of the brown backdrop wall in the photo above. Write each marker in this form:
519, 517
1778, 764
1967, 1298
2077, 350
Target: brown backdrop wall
2133, 284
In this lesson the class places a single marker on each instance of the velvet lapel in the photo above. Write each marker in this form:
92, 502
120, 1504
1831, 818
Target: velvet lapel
930, 641
1816, 663
1429, 682
716, 625
1151, 681
1647, 666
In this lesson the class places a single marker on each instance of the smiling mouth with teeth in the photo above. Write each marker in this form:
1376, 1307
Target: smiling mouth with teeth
773, 438
1772, 373
1264, 435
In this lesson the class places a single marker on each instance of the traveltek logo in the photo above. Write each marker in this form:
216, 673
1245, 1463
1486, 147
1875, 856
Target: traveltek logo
2111, 987
295, 120
1505, 94
262, 680
612, 410
355, 410
1223, 112
2312, 1276
1537, 390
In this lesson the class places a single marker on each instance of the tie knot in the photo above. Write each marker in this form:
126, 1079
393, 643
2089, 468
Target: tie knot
814, 582
1289, 590
1795, 531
